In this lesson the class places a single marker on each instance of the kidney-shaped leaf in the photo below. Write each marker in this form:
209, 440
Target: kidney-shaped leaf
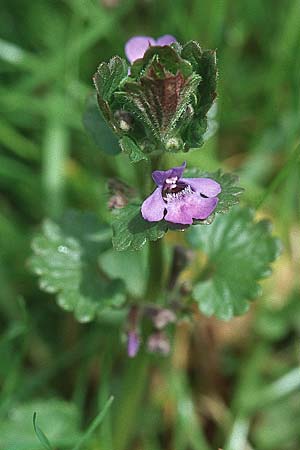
239, 252
66, 260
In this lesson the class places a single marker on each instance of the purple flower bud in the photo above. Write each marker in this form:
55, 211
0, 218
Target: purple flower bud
136, 47
159, 343
120, 194
180, 200
133, 343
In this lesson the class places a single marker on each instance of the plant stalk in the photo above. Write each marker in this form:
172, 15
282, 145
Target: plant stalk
156, 269
128, 405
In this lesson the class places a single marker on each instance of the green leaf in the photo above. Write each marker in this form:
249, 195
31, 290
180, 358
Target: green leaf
135, 153
130, 266
204, 64
58, 419
41, 435
228, 197
109, 76
131, 231
163, 58
193, 53
66, 260
95, 125
239, 253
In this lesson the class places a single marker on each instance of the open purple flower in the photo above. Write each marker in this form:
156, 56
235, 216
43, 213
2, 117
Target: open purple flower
180, 200
136, 47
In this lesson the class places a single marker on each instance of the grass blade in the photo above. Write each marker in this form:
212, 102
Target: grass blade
94, 425
41, 435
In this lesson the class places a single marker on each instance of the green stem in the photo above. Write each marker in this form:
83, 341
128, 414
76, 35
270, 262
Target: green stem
136, 376
128, 405
155, 264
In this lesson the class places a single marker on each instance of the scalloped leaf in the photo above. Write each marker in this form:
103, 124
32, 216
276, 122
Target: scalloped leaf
131, 231
239, 252
159, 56
109, 76
204, 64
66, 260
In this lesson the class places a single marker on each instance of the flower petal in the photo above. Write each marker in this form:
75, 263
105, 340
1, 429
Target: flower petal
166, 39
189, 207
160, 176
136, 47
153, 208
205, 186
204, 207
177, 212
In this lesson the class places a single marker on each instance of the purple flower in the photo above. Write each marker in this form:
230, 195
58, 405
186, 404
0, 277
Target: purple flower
133, 343
136, 47
180, 200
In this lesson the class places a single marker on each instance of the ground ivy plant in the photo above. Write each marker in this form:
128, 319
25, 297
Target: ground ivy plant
156, 102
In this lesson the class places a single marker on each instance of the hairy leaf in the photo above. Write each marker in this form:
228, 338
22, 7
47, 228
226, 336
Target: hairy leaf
204, 64
239, 252
65, 258
159, 100
165, 97
158, 58
128, 146
109, 76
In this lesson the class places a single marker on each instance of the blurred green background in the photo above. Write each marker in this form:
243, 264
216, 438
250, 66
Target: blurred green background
226, 385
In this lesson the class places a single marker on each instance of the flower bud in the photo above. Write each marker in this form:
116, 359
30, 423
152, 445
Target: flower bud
159, 343
174, 145
124, 120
